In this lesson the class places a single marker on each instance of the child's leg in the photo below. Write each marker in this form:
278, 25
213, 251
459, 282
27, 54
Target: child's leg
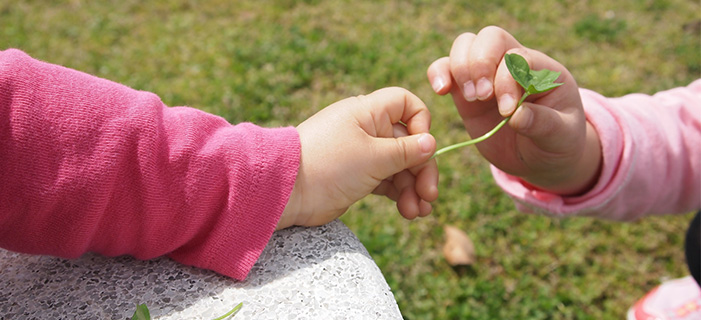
692, 247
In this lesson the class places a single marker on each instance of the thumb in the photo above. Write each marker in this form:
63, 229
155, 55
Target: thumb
546, 127
397, 154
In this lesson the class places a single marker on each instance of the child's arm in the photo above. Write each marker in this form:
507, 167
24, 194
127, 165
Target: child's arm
90, 165
640, 154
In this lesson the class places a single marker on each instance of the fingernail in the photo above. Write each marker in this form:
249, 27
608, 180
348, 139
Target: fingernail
484, 88
524, 118
507, 104
425, 143
468, 90
438, 83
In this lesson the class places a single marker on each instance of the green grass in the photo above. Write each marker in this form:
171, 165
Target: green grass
277, 62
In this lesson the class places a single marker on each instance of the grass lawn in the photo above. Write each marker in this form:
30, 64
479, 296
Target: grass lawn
277, 62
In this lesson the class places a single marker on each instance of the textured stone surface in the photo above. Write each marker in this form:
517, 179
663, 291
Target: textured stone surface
304, 273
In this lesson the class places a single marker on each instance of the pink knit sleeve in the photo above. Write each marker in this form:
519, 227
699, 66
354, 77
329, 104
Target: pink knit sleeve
88, 165
651, 158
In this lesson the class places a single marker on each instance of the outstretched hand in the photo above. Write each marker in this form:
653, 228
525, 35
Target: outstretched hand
377, 143
548, 141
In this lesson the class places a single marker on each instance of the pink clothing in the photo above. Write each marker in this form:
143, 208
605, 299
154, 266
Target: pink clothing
651, 158
89, 165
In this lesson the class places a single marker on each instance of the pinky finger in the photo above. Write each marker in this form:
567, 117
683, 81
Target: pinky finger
425, 208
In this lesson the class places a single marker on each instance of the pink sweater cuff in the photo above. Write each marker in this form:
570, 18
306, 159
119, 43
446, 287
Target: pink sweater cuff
234, 241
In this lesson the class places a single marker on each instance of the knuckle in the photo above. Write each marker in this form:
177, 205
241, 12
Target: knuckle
464, 37
401, 155
362, 101
493, 30
394, 90
460, 69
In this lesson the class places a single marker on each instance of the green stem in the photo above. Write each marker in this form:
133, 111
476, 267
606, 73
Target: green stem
234, 310
484, 136
520, 101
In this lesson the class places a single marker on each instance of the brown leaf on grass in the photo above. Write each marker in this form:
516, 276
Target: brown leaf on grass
458, 248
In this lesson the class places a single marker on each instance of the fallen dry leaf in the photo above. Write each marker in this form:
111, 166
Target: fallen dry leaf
458, 248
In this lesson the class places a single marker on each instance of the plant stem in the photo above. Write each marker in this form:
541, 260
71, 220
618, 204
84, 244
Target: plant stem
473, 141
484, 136
234, 310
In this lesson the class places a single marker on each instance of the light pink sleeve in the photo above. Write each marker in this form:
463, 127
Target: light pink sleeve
651, 158
89, 165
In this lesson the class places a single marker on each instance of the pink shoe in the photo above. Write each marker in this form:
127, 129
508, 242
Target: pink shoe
672, 300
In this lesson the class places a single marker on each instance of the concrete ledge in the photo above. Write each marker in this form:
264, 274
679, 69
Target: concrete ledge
304, 273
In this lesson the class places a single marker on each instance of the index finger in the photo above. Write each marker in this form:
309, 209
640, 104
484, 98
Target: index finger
485, 54
389, 106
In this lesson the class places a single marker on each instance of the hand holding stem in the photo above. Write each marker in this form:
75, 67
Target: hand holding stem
532, 82
548, 142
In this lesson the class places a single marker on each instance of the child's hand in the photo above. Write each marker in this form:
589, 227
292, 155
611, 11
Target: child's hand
548, 142
358, 146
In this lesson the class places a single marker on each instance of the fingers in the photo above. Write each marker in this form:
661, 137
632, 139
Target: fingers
399, 130
439, 76
405, 188
389, 106
396, 154
402, 189
414, 188
460, 65
486, 53
427, 181
426, 173
388, 189
396, 148
506, 89
479, 70
474, 60
409, 203
425, 185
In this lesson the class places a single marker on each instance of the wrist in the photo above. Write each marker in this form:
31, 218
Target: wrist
290, 215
